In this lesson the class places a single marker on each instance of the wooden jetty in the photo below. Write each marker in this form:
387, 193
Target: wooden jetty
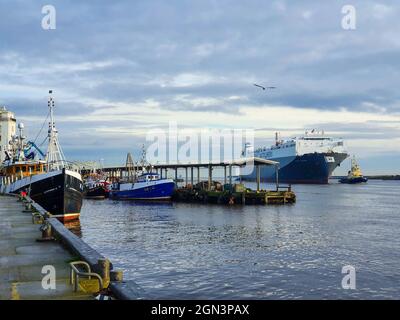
233, 196
195, 190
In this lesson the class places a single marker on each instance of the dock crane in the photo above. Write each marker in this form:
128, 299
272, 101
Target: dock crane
27, 150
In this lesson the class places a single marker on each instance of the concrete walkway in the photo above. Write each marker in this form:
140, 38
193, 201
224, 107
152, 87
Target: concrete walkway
22, 258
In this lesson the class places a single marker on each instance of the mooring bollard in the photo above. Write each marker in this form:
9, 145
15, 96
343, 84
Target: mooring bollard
104, 270
116, 275
46, 232
28, 206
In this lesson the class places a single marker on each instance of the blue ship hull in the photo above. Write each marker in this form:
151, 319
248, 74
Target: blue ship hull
161, 191
313, 168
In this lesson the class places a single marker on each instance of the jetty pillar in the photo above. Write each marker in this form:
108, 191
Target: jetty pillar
186, 176
191, 176
198, 174
209, 176
277, 177
224, 174
230, 174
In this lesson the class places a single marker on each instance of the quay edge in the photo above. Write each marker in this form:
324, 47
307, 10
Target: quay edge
23, 254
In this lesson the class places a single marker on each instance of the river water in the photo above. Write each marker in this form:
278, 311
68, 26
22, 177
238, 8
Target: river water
196, 251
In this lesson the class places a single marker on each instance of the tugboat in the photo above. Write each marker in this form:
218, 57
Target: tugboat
354, 175
145, 186
52, 183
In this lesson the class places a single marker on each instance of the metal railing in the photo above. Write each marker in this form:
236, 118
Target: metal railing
287, 188
76, 274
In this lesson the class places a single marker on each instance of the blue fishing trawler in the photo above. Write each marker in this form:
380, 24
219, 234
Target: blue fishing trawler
148, 186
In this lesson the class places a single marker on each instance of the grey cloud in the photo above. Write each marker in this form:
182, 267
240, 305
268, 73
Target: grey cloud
131, 51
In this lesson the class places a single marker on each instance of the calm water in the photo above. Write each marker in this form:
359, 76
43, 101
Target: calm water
191, 251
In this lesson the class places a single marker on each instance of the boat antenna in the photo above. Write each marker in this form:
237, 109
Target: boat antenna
144, 163
55, 157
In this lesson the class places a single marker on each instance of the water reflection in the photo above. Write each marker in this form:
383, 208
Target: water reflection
178, 250
74, 226
149, 203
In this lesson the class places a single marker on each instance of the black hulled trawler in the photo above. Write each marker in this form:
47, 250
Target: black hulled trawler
51, 182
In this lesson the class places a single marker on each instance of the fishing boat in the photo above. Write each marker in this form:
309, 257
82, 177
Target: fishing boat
144, 185
96, 189
51, 182
354, 175
149, 186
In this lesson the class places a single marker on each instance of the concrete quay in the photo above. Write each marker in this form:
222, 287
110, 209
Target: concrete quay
22, 258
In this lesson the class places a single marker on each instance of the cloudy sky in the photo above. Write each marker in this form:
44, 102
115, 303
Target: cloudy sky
121, 68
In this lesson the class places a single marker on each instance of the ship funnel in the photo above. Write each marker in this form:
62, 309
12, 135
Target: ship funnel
277, 138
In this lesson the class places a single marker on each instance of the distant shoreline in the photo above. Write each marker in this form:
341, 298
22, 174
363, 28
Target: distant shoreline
379, 177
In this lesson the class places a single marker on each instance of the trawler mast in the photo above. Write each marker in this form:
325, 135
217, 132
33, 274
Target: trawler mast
55, 157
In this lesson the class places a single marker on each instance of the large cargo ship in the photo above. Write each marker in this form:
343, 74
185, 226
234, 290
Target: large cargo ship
310, 158
51, 182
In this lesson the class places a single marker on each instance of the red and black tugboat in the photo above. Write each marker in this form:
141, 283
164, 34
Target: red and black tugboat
51, 182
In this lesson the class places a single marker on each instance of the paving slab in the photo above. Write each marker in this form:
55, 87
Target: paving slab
34, 290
